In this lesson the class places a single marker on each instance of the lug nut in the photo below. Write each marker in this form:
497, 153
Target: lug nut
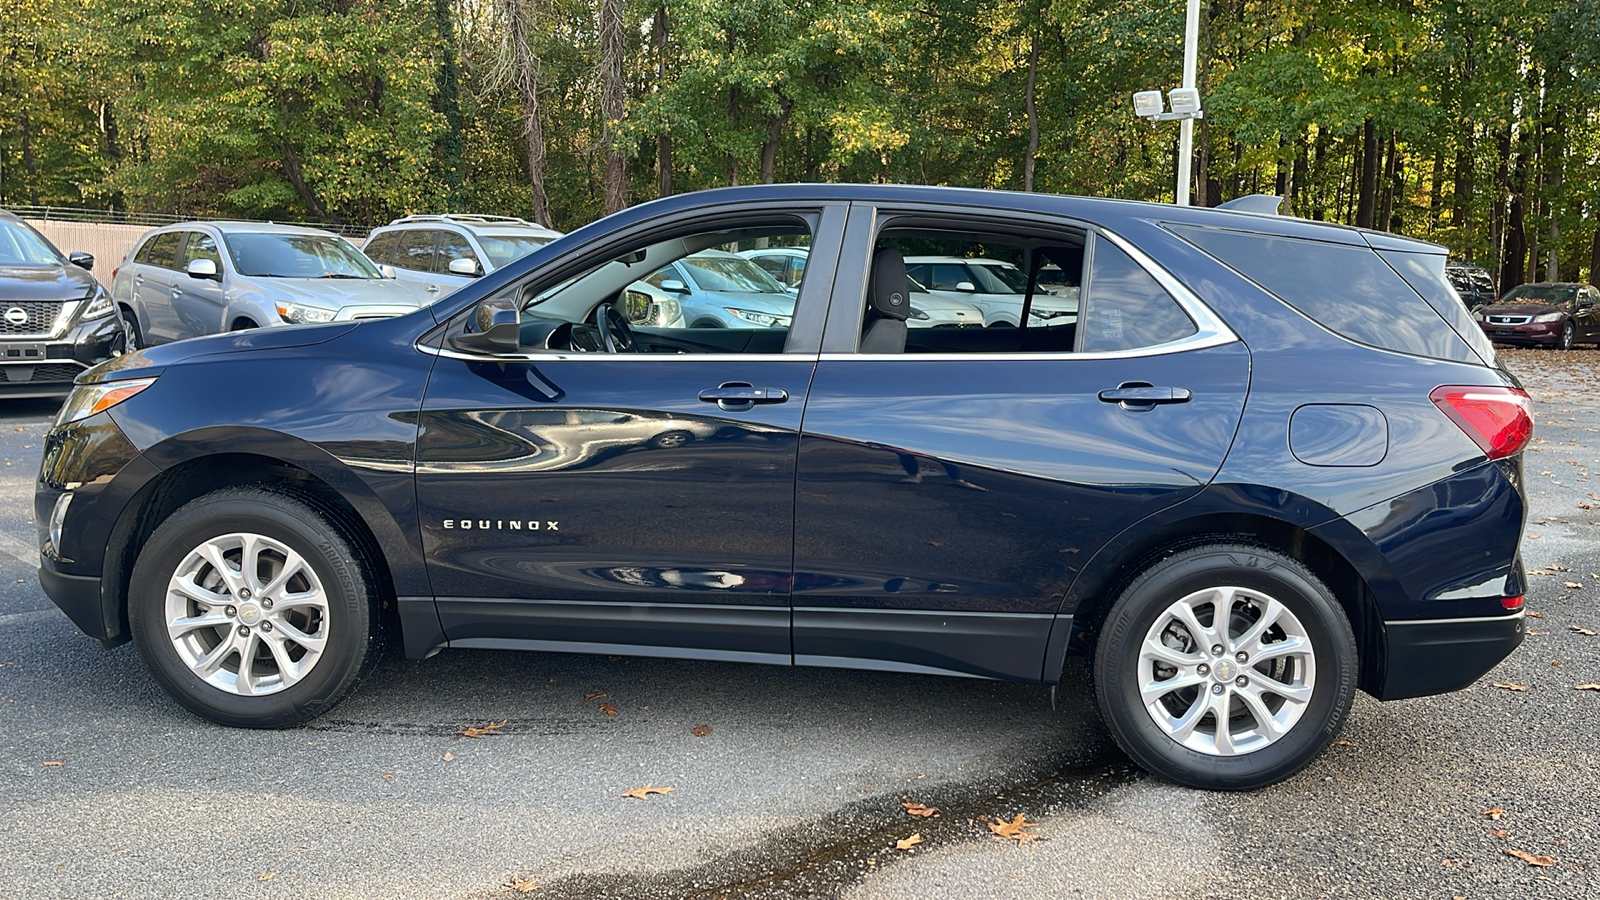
1241, 681
244, 593
267, 626
1242, 657
267, 604
1216, 650
232, 611
1216, 689
244, 630
1203, 669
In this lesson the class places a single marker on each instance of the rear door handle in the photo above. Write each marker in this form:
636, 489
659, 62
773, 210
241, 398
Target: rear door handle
1133, 396
735, 396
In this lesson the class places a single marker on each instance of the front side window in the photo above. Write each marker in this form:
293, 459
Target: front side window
452, 247
24, 247
200, 246
270, 255
378, 249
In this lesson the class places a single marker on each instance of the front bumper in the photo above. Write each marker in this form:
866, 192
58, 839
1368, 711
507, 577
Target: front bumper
46, 366
79, 596
1529, 334
1436, 656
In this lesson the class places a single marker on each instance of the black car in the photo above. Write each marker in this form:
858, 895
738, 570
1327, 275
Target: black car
1234, 484
55, 318
1472, 282
1552, 315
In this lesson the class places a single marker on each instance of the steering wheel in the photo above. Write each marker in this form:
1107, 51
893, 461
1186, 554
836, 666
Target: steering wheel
615, 335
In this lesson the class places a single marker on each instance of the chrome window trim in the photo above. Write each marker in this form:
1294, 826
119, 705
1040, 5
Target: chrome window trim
566, 355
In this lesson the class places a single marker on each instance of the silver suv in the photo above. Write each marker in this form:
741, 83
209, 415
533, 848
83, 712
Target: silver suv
441, 253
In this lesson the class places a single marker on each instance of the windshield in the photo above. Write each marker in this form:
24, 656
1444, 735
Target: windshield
1011, 276
730, 274
503, 248
22, 246
298, 256
1540, 293
990, 282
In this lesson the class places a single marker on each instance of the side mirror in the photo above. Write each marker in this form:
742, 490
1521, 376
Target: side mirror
499, 329
465, 265
388, 271
203, 268
81, 260
967, 287
674, 286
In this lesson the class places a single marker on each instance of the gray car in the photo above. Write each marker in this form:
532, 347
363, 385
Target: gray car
718, 289
197, 278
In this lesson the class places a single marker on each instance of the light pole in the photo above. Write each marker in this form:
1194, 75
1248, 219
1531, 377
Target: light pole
1185, 102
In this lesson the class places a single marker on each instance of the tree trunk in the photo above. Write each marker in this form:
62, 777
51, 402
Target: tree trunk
1462, 199
1554, 159
658, 37
1594, 257
1033, 113
1366, 204
525, 73
613, 96
30, 172
1498, 213
297, 180
1391, 169
769, 150
447, 102
1298, 201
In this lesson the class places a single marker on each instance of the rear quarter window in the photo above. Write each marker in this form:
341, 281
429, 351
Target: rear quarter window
1347, 289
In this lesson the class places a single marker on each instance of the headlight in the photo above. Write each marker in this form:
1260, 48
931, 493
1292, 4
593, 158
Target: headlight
99, 306
917, 314
299, 313
1478, 314
1548, 317
765, 320
1049, 313
88, 399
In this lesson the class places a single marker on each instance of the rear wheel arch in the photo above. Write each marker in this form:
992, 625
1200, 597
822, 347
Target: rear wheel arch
1104, 580
202, 474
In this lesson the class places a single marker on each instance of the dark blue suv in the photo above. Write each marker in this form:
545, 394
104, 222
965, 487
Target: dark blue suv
1268, 462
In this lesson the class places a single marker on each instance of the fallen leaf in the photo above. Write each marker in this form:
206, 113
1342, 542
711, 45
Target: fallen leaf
1499, 832
267, 876
702, 730
917, 809
1509, 686
473, 731
1573, 585
1555, 568
1494, 814
388, 776
909, 842
522, 885
53, 762
643, 793
608, 709
1535, 615
1452, 863
933, 543
1581, 687
590, 698
1582, 630
1013, 830
448, 756
1529, 858
1344, 743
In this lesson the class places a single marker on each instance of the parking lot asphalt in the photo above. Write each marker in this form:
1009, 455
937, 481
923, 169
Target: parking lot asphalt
108, 789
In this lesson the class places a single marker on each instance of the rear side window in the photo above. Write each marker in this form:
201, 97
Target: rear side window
1347, 289
1426, 275
1126, 308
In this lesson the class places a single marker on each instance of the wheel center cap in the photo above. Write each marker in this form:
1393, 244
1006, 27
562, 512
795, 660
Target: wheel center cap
1222, 670
249, 613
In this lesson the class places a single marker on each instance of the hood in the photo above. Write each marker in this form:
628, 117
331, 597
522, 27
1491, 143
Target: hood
1523, 309
47, 283
941, 301
151, 360
338, 293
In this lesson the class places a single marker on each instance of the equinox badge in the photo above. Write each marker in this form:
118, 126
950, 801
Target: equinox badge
501, 525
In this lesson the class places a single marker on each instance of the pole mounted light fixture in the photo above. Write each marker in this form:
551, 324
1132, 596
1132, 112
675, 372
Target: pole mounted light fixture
1185, 102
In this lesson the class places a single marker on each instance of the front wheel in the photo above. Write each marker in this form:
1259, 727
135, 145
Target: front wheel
1225, 667
1567, 334
251, 607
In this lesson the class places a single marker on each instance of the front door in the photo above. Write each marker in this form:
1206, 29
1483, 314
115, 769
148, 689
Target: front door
625, 502
197, 302
950, 492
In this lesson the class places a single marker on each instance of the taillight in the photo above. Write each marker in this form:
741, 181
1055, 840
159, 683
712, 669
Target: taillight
114, 271
1498, 419
1511, 602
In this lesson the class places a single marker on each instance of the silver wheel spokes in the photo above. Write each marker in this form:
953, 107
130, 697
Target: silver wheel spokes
247, 614
1226, 671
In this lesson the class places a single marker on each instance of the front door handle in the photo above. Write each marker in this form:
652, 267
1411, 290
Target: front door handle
736, 396
1144, 396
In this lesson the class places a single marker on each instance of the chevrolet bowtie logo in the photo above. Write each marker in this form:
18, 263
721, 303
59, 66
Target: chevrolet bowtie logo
501, 525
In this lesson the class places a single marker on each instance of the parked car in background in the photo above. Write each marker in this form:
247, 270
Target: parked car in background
186, 280
718, 289
441, 253
1472, 282
994, 286
55, 318
1547, 314
929, 309
1273, 464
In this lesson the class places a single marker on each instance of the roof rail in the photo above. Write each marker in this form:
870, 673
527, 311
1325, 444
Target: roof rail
466, 218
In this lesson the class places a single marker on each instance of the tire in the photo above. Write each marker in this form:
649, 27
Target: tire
708, 323
1170, 735
670, 439
130, 329
242, 325
1567, 333
324, 627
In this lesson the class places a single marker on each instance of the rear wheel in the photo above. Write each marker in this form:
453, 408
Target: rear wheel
1226, 667
252, 608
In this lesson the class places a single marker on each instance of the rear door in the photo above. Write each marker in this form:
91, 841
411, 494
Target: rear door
623, 502
949, 494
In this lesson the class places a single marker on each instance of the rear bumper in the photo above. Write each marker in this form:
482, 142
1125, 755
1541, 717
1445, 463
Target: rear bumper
1436, 656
